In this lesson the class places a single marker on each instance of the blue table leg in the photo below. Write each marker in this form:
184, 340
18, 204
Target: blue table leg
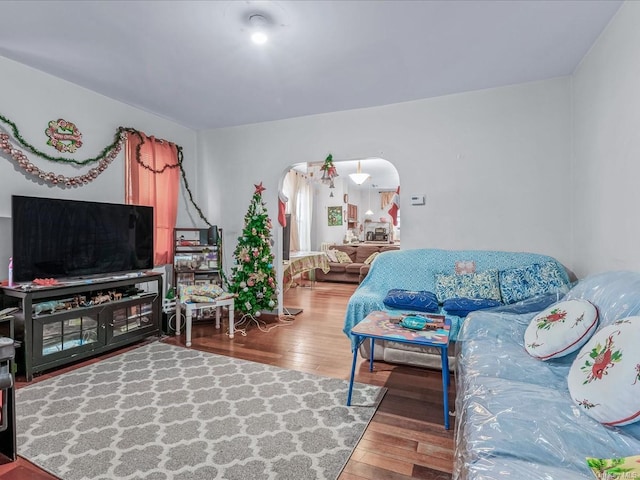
353, 372
445, 384
371, 355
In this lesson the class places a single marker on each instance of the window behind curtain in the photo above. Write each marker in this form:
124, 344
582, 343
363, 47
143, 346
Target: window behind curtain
300, 206
145, 185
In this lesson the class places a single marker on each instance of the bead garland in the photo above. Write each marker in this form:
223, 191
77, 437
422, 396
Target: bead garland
23, 161
50, 177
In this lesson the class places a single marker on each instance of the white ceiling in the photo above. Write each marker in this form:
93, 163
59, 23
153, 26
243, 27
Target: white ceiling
192, 61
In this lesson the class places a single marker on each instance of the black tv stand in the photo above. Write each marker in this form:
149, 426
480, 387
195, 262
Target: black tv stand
80, 318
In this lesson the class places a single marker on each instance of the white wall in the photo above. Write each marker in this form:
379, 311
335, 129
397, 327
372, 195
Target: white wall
494, 164
322, 200
30, 99
606, 143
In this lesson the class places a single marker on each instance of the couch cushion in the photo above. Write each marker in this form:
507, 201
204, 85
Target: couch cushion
421, 301
353, 268
337, 267
472, 285
560, 329
616, 294
604, 379
343, 257
518, 284
389, 248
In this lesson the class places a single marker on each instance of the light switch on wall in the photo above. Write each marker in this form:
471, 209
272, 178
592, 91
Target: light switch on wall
417, 199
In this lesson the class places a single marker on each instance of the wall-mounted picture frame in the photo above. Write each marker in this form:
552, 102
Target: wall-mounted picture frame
334, 215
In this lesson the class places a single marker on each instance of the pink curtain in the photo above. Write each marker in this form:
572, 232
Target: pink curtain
150, 180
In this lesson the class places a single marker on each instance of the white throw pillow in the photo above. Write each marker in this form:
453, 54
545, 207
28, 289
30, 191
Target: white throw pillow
332, 255
604, 379
560, 329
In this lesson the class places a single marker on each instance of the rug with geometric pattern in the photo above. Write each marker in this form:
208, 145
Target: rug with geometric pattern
163, 412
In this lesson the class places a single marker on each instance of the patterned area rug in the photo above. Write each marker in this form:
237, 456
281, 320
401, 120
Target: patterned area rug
163, 412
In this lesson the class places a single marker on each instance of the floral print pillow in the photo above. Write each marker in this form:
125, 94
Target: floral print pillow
470, 285
343, 257
560, 329
517, 284
604, 380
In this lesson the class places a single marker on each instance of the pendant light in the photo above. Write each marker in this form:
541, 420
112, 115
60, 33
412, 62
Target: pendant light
359, 177
369, 212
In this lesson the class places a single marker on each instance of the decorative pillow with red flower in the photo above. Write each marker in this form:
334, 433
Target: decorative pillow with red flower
560, 329
604, 380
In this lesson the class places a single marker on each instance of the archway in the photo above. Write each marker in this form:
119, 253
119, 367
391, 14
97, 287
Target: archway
325, 213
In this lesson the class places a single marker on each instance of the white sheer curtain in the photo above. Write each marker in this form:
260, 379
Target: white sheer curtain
305, 216
300, 205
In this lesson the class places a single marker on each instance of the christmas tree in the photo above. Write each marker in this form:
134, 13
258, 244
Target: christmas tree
253, 276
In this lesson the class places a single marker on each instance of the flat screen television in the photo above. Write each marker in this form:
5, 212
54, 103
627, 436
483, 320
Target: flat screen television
56, 238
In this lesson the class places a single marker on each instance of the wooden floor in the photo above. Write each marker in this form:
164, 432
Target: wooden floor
406, 438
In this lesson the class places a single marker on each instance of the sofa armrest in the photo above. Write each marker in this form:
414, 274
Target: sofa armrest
362, 303
364, 270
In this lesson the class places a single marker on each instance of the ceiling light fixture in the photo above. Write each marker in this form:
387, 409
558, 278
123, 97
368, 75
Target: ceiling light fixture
369, 212
258, 29
359, 177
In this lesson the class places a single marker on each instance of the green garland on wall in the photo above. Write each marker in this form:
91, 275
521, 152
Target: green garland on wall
103, 154
103, 159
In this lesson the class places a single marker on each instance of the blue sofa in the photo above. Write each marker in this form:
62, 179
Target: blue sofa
515, 417
416, 270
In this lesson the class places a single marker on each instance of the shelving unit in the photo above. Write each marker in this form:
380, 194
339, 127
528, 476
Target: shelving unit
197, 256
352, 216
76, 319
377, 232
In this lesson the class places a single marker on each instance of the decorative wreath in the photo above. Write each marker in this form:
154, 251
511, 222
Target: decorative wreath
63, 136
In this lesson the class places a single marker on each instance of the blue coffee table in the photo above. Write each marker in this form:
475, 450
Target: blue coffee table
379, 326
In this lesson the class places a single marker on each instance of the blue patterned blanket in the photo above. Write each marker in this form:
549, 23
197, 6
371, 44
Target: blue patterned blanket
417, 269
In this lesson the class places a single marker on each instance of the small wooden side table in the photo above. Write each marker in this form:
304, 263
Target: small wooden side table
191, 308
378, 325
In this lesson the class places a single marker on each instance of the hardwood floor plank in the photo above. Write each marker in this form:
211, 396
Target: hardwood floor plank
409, 428
405, 439
367, 471
395, 464
390, 440
426, 473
